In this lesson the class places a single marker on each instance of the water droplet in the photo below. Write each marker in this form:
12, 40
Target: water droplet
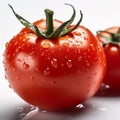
8, 56
6, 77
6, 45
60, 49
32, 78
19, 60
18, 77
10, 86
107, 86
22, 115
80, 58
25, 65
46, 45
104, 87
16, 51
68, 50
46, 71
87, 63
84, 53
54, 63
52, 51
69, 63
37, 69
30, 115
79, 51
16, 43
91, 45
32, 107
80, 106
85, 38
65, 44
77, 33
20, 109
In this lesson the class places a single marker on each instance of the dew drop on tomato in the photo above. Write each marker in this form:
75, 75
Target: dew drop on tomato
10, 86
46, 71
7, 43
46, 45
54, 63
79, 58
6, 77
87, 63
25, 65
69, 63
32, 78
85, 38
79, 51
37, 69
18, 77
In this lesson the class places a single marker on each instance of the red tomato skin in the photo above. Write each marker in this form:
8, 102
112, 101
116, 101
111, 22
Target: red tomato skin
55, 74
112, 53
112, 77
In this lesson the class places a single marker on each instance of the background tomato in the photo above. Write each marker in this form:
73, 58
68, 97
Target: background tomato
111, 40
54, 73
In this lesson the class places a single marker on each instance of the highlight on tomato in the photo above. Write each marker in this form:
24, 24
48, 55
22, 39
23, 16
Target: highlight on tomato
110, 39
53, 64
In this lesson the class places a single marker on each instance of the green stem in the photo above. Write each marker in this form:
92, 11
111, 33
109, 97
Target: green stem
50, 33
49, 21
113, 38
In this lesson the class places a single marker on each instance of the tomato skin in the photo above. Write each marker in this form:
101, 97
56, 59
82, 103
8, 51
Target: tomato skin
112, 53
54, 74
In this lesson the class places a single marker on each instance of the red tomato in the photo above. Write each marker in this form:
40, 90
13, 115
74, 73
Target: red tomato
54, 73
111, 40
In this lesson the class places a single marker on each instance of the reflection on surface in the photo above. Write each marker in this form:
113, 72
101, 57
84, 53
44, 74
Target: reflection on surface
107, 91
33, 113
96, 108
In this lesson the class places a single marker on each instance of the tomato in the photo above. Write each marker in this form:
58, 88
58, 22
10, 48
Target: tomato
54, 72
111, 41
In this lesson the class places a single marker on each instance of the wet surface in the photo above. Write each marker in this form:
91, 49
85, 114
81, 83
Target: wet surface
100, 108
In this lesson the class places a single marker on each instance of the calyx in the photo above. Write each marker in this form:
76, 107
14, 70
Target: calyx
50, 33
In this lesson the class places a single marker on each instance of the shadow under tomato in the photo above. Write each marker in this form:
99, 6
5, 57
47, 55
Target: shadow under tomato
108, 92
33, 113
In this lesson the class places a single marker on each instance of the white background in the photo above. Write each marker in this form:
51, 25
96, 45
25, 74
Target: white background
98, 15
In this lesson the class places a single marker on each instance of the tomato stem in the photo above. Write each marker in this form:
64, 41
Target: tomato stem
50, 33
49, 21
114, 38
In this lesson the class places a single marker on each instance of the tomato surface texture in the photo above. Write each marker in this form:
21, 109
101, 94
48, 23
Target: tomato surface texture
54, 73
111, 38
